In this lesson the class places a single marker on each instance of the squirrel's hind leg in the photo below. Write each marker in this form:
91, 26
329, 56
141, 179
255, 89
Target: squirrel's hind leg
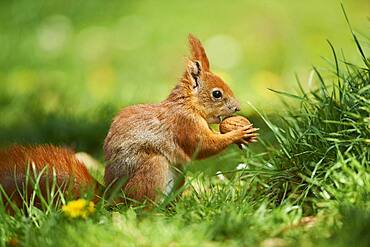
149, 181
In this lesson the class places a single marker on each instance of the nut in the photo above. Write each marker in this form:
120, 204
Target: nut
233, 123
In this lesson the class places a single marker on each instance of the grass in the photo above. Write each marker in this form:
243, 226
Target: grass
312, 188
331, 121
308, 185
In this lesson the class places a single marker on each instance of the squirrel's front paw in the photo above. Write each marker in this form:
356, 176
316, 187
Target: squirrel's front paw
249, 134
245, 134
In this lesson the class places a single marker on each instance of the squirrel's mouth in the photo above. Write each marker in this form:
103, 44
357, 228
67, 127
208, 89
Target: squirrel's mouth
216, 120
220, 118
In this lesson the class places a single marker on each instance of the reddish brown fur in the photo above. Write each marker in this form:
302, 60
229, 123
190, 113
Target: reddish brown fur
148, 178
198, 52
70, 173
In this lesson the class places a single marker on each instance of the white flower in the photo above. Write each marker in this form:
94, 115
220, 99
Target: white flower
220, 175
242, 166
269, 165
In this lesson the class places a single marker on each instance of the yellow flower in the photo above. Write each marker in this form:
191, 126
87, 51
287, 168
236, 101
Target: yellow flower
79, 208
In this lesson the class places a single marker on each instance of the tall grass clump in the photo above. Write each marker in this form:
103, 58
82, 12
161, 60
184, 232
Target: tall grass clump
329, 132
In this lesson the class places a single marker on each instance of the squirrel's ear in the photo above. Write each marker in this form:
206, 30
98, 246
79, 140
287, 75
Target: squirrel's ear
194, 71
198, 52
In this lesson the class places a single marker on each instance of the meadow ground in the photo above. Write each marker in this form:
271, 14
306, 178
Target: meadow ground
306, 184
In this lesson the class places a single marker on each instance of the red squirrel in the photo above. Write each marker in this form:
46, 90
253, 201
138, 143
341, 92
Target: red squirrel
145, 142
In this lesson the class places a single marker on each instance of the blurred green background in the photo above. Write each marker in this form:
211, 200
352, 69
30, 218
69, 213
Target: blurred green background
66, 67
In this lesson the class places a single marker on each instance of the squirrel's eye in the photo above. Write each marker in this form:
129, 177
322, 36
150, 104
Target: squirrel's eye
217, 94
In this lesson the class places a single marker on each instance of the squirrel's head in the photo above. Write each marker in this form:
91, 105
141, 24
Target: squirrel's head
208, 93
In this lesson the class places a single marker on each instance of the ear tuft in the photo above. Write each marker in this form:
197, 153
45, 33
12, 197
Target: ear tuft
194, 71
198, 52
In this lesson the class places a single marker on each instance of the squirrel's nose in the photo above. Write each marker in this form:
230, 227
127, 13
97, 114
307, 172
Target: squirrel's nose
235, 106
